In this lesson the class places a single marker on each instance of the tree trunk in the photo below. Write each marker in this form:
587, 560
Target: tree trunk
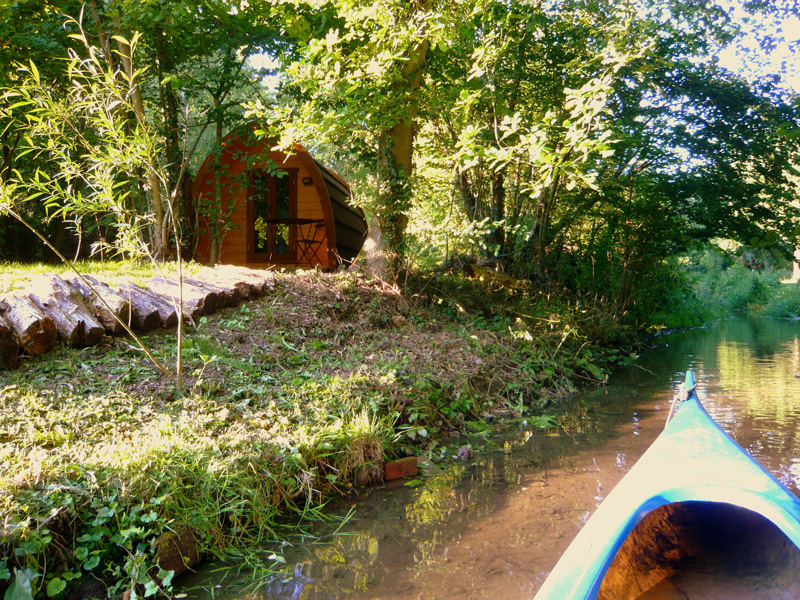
226, 295
169, 106
499, 211
467, 193
249, 282
161, 230
102, 35
148, 311
197, 300
544, 215
112, 307
174, 153
796, 263
8, 226
216, 203
395, 154
35, 331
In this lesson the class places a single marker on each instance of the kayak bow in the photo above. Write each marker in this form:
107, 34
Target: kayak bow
693, 461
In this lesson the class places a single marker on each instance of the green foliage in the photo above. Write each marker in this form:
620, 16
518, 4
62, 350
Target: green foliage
782, 302
94, 151
726, 285
582, 148
563, 145
195, 73
22, 588
721, 279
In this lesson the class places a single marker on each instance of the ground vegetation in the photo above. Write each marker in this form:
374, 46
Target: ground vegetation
288, 399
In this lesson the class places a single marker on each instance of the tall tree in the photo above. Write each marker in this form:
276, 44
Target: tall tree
528, 83
357, 75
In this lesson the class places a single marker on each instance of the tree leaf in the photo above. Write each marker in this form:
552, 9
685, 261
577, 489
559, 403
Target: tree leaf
150, 588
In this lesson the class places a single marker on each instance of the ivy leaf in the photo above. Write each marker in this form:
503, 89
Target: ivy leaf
150, 588
105, 512
28, 548
165, 577
92, 562
55, 587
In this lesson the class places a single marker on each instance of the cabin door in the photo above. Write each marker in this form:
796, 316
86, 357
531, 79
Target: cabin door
271, 205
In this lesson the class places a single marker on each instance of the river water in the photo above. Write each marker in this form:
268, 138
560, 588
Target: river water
494, 526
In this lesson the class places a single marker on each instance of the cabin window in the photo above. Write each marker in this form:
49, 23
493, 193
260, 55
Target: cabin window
271, 200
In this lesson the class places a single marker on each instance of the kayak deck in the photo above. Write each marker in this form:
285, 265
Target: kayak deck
704, 551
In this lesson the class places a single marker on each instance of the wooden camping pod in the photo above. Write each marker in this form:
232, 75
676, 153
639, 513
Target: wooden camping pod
275, 208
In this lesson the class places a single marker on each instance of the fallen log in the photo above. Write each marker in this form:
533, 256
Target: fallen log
76, 324
197, 300
110, 310
36, 332
148, 311
9, 344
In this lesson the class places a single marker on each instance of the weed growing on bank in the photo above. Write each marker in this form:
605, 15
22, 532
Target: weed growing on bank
290, 399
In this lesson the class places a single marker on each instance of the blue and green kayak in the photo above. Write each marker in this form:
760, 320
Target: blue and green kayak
694, 499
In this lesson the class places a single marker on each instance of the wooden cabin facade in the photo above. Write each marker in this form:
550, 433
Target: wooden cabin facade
259, 207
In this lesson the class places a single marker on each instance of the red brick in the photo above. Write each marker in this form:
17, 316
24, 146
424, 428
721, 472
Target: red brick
397, 469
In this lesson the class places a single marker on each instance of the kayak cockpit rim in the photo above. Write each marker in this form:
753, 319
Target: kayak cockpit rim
680, 539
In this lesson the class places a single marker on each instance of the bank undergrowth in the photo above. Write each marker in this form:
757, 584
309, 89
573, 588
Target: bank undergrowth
726, 282
290, 399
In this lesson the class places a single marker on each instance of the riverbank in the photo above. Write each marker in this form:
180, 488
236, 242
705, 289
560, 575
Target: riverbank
289, 399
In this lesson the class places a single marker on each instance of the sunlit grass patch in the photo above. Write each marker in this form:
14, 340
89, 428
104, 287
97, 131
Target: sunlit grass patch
224, 471
14, 276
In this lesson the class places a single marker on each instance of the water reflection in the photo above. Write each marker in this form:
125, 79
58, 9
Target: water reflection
747, 378
495, 526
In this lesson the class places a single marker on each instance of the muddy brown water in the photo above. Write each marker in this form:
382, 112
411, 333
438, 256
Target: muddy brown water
493, 527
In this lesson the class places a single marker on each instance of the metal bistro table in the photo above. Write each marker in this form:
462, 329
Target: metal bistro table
306, 235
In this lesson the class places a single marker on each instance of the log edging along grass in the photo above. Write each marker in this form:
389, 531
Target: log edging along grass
151, 479
51, 307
